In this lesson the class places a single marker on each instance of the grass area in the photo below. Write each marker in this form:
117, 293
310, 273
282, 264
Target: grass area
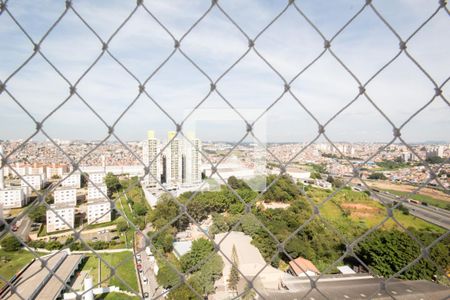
353, 213
423, 198
13, 262
125, 270
115, 296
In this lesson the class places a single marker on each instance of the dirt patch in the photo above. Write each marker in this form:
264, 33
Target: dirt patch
360, 210
274, 205
386, 185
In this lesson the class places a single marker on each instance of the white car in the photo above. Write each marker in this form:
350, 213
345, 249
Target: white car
145, 280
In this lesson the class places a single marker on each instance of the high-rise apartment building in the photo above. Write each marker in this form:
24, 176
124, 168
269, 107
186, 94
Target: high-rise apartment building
191, 162
173, 154
150, 150
180, 162
2, 171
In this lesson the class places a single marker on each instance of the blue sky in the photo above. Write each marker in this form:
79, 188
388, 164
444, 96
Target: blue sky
215, 44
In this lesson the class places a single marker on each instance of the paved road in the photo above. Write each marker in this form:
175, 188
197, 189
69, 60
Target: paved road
430, 214
151, 287
25, 227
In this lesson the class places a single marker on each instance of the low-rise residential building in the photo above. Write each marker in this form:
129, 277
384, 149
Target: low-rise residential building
65, 195
98, 211
63, 221
97, 191
73, 180
12, 197
31, 183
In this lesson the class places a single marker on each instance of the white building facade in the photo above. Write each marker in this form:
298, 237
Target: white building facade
58, 223
56, 170
98, 211
12, 197
30, 182
97, 192
150, 150
97, 178
73, 180
65, 196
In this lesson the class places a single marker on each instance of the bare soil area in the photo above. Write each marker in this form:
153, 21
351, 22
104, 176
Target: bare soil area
387, 185
360, 210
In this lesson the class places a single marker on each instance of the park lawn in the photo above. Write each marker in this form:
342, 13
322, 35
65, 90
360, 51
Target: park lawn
125, 270
423, 198
122, 205
115, 296
17, 260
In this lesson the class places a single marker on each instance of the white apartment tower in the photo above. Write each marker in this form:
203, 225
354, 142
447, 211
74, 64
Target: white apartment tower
12, 197
97, 192
98, 211
31, 183
150, 150
97, 178
73, 180
2, 170
65, 196
180, 162
55, 222
174, 160
191, 173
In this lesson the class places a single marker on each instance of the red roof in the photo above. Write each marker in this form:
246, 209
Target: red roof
302, 265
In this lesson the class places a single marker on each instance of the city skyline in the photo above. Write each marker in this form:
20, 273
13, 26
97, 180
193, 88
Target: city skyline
249, 85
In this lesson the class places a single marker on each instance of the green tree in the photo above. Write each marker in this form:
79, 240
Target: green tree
219, 224
377, 176
112, 182
167, 277
38, 214
84, 179
380, 251
233, 279
283, 189
10, 243
200, 249
140, 209
203, 280
121, 224
182, 292
164, 239
435, 160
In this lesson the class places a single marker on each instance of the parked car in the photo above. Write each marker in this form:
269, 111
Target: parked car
146, 296
145, 280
